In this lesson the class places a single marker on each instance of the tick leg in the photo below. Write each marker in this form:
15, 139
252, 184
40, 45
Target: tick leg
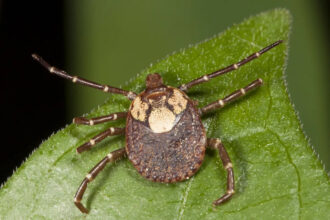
98, 120
216, 144
233, 96
75, 79
109, 132
111, 157
229, 68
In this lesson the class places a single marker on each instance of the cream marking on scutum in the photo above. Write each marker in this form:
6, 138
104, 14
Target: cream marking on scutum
139, 109
178, 101
161, 120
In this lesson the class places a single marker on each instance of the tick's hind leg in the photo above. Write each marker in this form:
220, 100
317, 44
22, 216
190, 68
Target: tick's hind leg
98, 120
113, 156
216, 144
109, 132
233, 96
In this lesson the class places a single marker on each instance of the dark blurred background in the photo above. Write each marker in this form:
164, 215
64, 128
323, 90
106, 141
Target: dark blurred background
111, 41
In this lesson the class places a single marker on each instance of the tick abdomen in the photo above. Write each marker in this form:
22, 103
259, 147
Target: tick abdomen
167, 141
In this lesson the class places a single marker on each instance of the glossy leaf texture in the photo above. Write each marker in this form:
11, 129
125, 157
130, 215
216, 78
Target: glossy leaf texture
277, 174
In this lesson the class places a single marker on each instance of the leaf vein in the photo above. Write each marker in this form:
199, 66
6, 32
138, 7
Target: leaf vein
295, 168
258, 203
183, 199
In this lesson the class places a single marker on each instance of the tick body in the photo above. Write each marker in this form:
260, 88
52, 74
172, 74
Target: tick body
165, 138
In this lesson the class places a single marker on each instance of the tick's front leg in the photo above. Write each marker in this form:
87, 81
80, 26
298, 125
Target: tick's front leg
232, 97
216, 144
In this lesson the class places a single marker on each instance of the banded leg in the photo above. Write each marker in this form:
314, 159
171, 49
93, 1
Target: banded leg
229, 68
233, 96
216, 144
111, 157
96, 139
75, 79
98, 120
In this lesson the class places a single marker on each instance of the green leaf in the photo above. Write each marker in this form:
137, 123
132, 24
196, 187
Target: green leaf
276, 172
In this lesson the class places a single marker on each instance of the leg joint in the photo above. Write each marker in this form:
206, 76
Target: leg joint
89, 177
228, 165
214, 142
230, 191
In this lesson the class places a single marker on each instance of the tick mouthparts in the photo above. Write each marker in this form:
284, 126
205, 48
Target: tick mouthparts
154, 80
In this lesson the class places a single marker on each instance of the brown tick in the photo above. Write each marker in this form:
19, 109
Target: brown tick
165, 137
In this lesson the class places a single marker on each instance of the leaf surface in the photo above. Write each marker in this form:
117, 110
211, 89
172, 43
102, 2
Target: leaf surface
276, 172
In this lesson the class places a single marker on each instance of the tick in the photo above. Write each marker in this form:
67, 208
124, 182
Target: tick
165, 137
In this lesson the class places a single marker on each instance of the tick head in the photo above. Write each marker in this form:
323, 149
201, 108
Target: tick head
154, 80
